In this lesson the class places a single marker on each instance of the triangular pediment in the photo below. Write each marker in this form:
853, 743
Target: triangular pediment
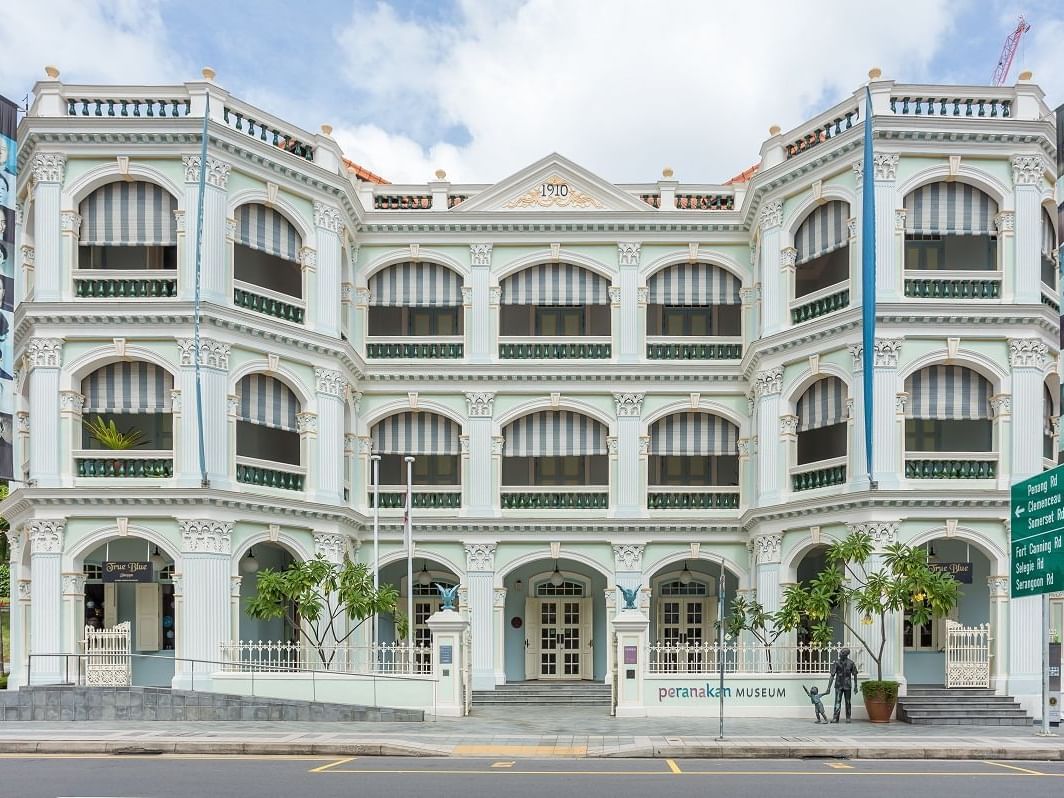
553, 184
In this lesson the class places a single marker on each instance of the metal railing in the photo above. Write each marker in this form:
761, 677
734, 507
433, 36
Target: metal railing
747, 658
249, 656
967, 655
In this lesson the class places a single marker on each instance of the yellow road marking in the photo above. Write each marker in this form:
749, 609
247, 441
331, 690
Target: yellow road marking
256, 757
1021, 770
503, 764
333, 764
608, 773
839, 766
673, 766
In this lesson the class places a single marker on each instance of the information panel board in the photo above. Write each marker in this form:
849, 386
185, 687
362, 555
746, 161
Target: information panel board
1037, 540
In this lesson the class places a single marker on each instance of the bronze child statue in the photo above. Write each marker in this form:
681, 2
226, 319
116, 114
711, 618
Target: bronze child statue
818, 705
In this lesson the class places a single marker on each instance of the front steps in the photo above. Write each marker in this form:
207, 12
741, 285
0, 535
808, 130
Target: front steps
592, 694
939, 706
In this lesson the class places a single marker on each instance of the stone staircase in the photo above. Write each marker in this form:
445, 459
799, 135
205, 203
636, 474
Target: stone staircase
594, 694
939, 706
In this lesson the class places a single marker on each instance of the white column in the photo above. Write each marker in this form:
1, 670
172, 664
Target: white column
788, 451
888, 279
214, 373
334, 548
747, 473
16, 662
215, 268
1028, 358
770, 455
630, 499
481, 485
329, 225
774, 304
887, 440
1027, 178
44, 357
205, 552
480, 584
766, 555
70, 232
628, 316
788, 261
857, 465
46, 614
751, 314
499, 648
480, 321
48, 171
360, 326
998, 587
331, 389
73, 612
22, 258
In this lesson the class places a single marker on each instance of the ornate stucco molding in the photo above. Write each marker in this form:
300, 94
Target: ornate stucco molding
213, 354
70, 222
858, 173
1028, 353
480, 254
48, 167
330, 546
998, 586
788, 258
857, 353
45, 536
217, 171
613, 445
308, 258
74, 584
330, 383
883, 533
628, 405
498, 443
203, 536
328, 217
768, 382
628, 253
747, 447
771, 214
1028, 170
1005, 221
628, 556
307, 423
900, 215
885, 165
480, 404
749, 296
886, 352
480, 556
901, 400
767, 548
1001, 405
789, 425
71, 402
44, 353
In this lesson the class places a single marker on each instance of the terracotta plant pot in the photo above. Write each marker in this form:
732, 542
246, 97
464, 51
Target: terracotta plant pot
880, 698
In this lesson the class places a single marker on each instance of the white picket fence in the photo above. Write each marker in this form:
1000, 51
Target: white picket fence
967, 655
244, 656
749, 658
107, 661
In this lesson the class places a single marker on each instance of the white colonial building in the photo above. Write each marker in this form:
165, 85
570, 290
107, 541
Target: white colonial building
602, 385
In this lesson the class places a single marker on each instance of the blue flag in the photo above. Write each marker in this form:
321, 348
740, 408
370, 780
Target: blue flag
868, 283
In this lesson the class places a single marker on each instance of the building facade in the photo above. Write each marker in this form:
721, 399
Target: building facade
601, 385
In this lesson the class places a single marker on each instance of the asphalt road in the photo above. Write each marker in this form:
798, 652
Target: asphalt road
250, 777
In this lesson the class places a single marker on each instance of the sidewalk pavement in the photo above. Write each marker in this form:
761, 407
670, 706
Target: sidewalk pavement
539, 732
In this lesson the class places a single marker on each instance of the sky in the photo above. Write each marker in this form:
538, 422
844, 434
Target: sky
482, 88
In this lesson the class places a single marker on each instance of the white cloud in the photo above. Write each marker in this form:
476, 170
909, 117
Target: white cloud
623, 87
106, 41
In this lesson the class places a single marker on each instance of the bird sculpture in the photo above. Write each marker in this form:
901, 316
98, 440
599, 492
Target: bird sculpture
629, 595
448, 594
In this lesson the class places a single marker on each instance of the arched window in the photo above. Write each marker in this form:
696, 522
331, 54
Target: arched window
1049, 251
823, 245
266, 263
266, 427
693, 299
555, 449
950, 227
689, 451
433, 441
948, 410
415, 299
822, 421
555, 299
128, 227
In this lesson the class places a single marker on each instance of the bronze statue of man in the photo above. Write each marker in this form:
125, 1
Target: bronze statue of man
844, 679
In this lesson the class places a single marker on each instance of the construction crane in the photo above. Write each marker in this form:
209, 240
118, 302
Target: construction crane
1004, 64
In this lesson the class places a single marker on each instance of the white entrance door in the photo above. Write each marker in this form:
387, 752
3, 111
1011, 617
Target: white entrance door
424, 608
683, 620
558, 645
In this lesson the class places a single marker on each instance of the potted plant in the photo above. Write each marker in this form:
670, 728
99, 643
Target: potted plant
107, 434
853, 584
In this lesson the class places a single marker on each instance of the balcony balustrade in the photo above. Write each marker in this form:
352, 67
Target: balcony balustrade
555, 498
439, 348
542, 348
270, 303
170, 107
402, 202
653, 200
990, 107
124, 464
705, 202
422, 496
952, 285
1051, 302
663, 348
268, 474
710, 497
819, 474
824, 128
820, 303
125, 284
264, 127
951, 465
454, 200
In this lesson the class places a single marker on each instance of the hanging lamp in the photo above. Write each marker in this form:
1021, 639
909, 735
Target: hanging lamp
249, 564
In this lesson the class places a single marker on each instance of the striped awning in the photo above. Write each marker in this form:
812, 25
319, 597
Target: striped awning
693, 284
948, 392
694, 434
128, 387
554, 433
415, 284
1047, 410
128, 214
555, 284
268, 231
823, 231
822, 404
1049, 237
268, 402
954, 208
416, 433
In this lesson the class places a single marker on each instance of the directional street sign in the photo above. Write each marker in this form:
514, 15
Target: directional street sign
1037, 543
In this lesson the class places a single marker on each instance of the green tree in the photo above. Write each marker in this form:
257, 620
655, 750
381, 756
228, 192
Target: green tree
316, 595
851, 585
750, 616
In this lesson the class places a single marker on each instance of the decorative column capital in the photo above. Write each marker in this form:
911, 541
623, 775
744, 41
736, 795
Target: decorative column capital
480, 254
886, 352
614, 292
70, 222
644, 445
900, 401
499, 598
365, 445
74, 584
330, 383
1028, 353
747, 447
788, 258
71, 402
328, 217
330, 546
628, 556
212, 354
1005, 221
494, 295
789, 425
857, 353
362, 297
480, 556
480, 404
882, 533
613, 446
308, 258
851, 228
1028, 170
768, 382
885, 165
203, 536
629, 405
307, 423
900, 215
858, 173
998, 586
498, 444
44, 352
748, 296
46, 536
771, 214
48, 167
628, 253
767, 548
1001, 405
217, 171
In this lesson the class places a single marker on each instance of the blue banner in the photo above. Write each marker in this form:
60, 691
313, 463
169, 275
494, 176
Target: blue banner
868, 283
8, 158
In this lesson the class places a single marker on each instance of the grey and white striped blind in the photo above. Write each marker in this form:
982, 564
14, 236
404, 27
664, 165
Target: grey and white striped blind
555, 284
954, 208
693, 284
694, 433
128, 214
268, 231
822, 404
1047, 410
416, 433
948, 392
415, 284
128, 387
554, 433
1049, 237
823, 231
266, 401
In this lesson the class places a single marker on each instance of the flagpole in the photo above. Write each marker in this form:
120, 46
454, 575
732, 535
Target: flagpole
409, 550
868, 289
376, 459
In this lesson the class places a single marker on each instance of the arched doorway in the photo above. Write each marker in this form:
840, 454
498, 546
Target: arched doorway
811, 565
258, 558
425, 596
684, 598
